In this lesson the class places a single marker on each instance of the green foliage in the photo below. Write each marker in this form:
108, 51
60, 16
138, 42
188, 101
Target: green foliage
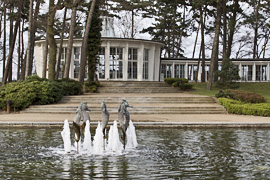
242, 96
182, 83
35, 90
186, 86
237, 107
91, 86
175, 81
228, 76
94, 42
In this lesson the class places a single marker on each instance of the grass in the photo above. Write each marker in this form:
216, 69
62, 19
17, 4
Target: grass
262, 88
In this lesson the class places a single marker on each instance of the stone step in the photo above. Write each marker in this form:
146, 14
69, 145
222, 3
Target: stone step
138, 90
132, 84
138, 110
139, 100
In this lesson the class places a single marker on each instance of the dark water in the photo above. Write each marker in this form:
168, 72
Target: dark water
161, 154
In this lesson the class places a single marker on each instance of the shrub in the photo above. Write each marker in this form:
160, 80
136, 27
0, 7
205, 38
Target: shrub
236, 107
245, 96
182, 83
175, 80
35, 90
91, 86
186, 86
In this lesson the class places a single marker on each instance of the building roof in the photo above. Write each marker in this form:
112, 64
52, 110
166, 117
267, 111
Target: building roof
208, 59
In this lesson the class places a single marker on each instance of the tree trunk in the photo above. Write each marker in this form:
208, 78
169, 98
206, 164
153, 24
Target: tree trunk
70, 41
11, 18
12, 45
51, 40
61, 45
84, 43
202, 20
45, 59
19, 53
224, 51
22, 75
215, 46
196, 39
30, 26
5, 38
232, 28
255, 50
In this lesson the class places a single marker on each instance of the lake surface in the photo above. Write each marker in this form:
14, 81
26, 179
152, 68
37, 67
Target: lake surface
161, 154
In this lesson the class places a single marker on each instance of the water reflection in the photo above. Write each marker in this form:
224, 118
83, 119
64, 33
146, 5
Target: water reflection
161, 154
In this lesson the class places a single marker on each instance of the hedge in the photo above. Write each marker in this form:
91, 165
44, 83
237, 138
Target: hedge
237, 107
35, 90
175, 82
240, 95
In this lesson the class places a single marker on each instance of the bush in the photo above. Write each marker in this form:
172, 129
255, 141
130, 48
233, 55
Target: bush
242, 96
182, 83
171, 81
35, 90
186, 86
91, 86
236, 107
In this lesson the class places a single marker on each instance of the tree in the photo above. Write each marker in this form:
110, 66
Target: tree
84, 42
12, 44
50, 35
70, 39
214, 55
94, 42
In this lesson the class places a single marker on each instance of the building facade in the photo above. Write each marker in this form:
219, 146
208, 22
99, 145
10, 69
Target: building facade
119, 59
250, 70
122, 59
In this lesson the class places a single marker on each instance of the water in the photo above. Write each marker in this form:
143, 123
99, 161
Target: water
161, 154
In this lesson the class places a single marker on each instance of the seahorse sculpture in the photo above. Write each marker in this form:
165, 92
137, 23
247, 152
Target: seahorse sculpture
124, 118
79, 121
105, 115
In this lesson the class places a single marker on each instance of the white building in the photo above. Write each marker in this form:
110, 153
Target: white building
250, 70
124, 59
120, 59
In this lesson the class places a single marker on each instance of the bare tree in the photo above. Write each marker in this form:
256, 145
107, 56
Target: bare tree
70, 39
12, 45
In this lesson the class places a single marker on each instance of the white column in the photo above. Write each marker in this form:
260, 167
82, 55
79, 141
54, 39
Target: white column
107, 60
240, 71
140, 63
186, 70
151, 60
125, 62
157, 64
254, 72
199, 72
173, 69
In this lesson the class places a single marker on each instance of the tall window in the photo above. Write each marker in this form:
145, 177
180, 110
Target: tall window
246, 73
62, 62
261, 72
192, 72
166, 70
77, 55
179, 70
116, 63
132, 63
101, 67
145, 63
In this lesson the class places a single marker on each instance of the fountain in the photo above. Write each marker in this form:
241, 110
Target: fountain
100, 145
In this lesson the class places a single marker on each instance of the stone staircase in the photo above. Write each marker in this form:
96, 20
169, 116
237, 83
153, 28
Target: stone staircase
145, 97
136, 87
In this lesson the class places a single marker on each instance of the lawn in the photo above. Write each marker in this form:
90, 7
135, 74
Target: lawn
259, 87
